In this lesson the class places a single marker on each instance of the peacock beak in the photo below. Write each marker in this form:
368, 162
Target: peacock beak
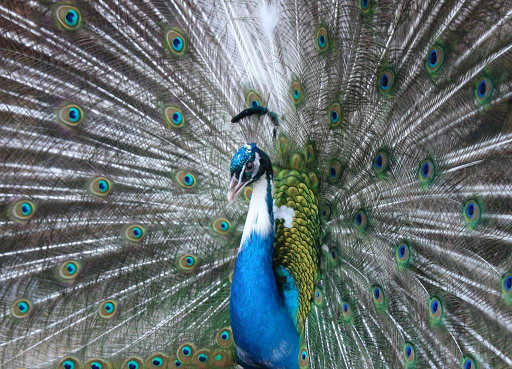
235, 188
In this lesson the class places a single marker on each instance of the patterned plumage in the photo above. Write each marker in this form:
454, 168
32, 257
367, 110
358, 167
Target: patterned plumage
380, 238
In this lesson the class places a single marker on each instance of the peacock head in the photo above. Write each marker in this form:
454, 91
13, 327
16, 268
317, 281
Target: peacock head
247, 166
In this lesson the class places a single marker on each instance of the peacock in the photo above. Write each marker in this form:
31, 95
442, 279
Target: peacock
282, 184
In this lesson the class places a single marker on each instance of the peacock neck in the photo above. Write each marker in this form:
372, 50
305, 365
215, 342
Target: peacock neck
259, 319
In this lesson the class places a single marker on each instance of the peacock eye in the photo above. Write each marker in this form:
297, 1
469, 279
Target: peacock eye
69, 363
69, 270
95, 364
386, 80
483, 90
468, 363
23, 210
67, 17
133, 363
107, 309
176, 42
249, 167
322, 39
21, 308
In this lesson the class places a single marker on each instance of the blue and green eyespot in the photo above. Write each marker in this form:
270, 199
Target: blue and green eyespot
185, 179
472, 212
220, 359
135, 233
253, 99
157, 360
100, 186
434, 60
67, 17
334, 171
303, 357
506, 287
483, 90
176, 42
378, 297
21, 308
366, 6
468, 362
69, 363
133, 362
96, 364
173, 117
361, 220
427, 172
409, 355
225, 337
297, 93
381, 163
201, 359
187, 262
435, 310
69, 270
385, 82
346, 311
107, 309
185, 352
70, 115
221, 225
402, 255
322, 39
23, 210
318, 296
335, 115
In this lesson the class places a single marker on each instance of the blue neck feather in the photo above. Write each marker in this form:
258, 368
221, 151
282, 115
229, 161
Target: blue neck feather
264, 332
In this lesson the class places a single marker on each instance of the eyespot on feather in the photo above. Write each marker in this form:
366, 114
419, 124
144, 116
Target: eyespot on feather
506, 287
107, 309
185, 179
381, 163
96, 364
220, 359
187, 262
67, 17
335, 115
468, 362
70, 115
176, 41
134, 233
378, 296
201, 359
253, 99
133, 362
23, 210
427, 172
365, 6
346, 311
297, 93
283, 144
157, 360
303, 357
318, 297
435, 310
322, 39
100, 186
185, 352
248, 193
361, 220
472, 213
334, 171
221, 225
409, 354
225, 338
435, 59
385, 82
483, 90
21, 308
69, 270
69, 363
173, 117
402, 255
